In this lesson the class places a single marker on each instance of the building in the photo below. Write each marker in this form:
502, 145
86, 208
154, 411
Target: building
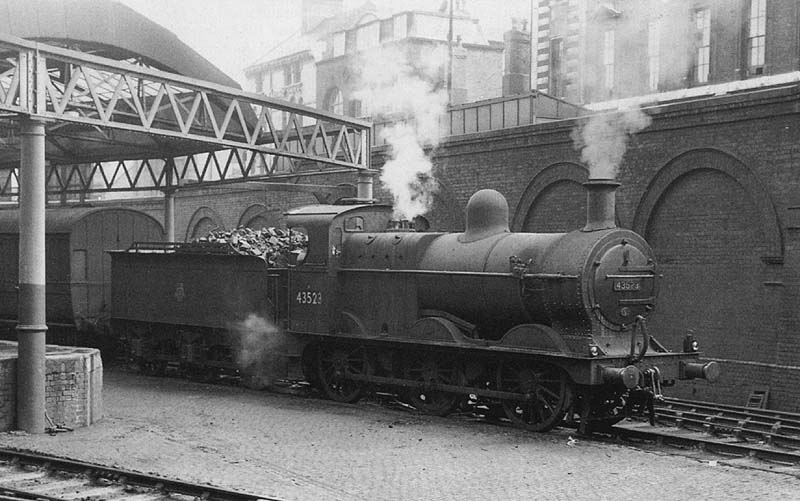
320, 66
598, 50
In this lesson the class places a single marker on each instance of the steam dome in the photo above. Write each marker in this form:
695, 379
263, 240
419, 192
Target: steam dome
486, 214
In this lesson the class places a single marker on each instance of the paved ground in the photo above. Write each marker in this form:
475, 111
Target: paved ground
298, 448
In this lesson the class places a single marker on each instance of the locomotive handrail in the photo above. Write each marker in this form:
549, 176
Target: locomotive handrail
541, 276
639, 324
217, 248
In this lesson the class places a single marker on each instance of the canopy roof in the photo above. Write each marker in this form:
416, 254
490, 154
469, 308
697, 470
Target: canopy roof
107, 29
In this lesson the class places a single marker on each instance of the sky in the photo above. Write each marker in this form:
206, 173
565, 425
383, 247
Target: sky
232, 34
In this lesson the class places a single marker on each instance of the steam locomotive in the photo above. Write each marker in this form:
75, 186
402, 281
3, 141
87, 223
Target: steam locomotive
542, 326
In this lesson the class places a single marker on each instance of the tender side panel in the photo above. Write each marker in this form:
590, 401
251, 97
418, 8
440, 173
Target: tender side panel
198, 290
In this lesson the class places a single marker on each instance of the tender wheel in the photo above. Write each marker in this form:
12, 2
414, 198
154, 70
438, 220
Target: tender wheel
429, 370
333, 366
547, 393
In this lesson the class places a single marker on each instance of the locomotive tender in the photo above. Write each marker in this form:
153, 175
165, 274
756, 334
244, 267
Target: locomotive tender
541, 325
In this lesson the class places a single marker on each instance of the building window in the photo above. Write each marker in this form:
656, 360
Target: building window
291, 73
259, 83
387, 30
369, 36
557, 67
285, 116
355, 108
338, 44
757, 36
400, 29
608, 59
358, 108
334, 101
350, 41
653, 54
702, 62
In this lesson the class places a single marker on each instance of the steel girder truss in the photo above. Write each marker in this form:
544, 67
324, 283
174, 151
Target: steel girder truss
113, 126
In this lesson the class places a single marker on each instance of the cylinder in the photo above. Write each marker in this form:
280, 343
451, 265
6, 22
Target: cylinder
32, 318
600, 204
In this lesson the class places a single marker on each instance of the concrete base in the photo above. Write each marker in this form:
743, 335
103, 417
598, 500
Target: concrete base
73, 388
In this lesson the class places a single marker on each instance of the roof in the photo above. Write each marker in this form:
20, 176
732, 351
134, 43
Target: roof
110, 29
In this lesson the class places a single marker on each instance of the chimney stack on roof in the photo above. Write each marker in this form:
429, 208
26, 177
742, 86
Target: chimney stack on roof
517, 67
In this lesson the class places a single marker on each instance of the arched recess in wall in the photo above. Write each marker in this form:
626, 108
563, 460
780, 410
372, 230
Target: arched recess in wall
554, 201
714, 231
202, 222
259, 216
733, 168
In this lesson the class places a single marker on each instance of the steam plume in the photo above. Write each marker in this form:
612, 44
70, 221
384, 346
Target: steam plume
392, 88
260, 346
603, 139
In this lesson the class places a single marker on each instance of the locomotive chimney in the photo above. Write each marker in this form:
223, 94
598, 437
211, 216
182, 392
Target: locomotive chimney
364, 186
600, 204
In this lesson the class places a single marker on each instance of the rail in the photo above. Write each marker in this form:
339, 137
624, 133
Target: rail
29, 476
744, 423
731, 431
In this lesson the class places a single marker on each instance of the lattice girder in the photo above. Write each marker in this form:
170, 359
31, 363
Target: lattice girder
86, 98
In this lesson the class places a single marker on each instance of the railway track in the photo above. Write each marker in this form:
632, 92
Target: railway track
28, 476
723, 429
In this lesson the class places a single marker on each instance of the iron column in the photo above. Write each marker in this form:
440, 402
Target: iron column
169, 201
32, 319
169, 214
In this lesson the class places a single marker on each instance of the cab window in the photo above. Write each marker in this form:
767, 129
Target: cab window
354, 224
298, 245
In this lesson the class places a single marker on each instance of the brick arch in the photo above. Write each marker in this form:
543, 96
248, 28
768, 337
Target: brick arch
259, 215
713, 159
553, 181
715, 236
203, 218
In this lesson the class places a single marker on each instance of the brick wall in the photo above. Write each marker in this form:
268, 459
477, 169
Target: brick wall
73, 388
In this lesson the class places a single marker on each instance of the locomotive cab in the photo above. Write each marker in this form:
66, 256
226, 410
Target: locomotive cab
313, 303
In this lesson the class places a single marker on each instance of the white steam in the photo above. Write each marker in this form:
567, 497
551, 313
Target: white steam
412, 95
603, 139
259, 350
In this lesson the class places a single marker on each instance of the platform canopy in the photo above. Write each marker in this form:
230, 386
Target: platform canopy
128, 107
